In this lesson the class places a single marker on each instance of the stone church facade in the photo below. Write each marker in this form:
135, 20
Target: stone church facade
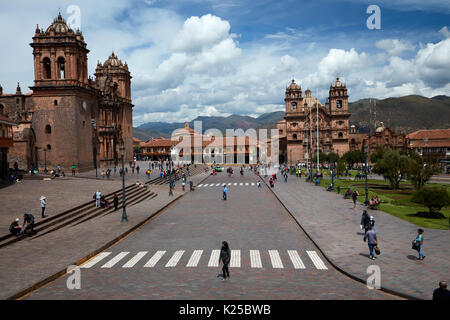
298, 129
69, 118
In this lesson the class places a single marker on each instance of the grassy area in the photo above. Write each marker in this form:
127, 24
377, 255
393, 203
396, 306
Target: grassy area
395, 202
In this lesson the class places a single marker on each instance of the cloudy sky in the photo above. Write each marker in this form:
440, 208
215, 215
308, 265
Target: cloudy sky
219, 57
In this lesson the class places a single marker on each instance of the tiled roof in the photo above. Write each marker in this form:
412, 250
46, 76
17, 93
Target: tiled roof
430, 144
429, 134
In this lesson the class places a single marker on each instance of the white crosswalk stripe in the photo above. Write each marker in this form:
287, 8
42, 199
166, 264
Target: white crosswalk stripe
205, 185
214, 259
229, 184
217, 184
241, 184
253, 184
235, 259
295, 258
195, 258
111, 263
154, 260
95, 260
175, 258
275, 259
199, 185
318, 263
255, 259
235, 184
135, 259
246, 183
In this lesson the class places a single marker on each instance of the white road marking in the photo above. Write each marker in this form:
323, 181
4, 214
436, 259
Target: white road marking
154, 260
241, 184
295, 258
95, 260
224, 184
175, 258
114, 260
235, 184
316, 260
214, 259
135, 259
199, 185
255, 259
205, 185
246, 183
235, 259
229, 184
195, 258
253, 184
275, 259
217, 184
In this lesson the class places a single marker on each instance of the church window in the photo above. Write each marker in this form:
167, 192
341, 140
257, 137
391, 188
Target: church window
339, 104
293, 105
2, 109
84, 124
61, 68
340, 135
294, 136
340, 123
47, 68
294, 124
55, 102
293, 95
49, 147
48, 129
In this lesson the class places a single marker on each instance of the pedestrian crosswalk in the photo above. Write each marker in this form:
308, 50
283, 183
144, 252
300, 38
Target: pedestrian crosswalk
228, 184
275, 259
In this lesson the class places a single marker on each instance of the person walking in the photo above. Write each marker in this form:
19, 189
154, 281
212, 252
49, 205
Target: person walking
365, 221
43, 204
183, 184
73, 170
137, 169
191, 186
259, 185
116, 202
441, 293
224, 192
372, 241
355, 195
419, 240
225, 258
98, 196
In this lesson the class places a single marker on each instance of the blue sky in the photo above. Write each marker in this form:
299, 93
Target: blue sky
209, 57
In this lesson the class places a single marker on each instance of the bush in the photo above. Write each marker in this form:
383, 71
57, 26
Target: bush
434, 198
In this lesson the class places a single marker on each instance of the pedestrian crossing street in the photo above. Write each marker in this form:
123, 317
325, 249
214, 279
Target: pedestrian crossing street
282, 259
228, 184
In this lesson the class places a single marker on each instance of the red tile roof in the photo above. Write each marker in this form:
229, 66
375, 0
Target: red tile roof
429, 134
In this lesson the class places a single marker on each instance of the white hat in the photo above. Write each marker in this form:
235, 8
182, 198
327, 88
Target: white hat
17, 219
42, 198
371, 218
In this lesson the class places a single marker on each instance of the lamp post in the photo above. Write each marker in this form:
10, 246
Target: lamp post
366, 150
124, 201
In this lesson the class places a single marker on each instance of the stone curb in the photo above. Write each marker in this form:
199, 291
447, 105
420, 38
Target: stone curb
61, 273
331, 261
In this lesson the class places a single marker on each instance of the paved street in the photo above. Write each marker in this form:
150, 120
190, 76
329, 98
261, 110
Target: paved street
174, 256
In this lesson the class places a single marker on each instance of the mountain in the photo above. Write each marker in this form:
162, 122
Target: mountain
164, 129
403, 114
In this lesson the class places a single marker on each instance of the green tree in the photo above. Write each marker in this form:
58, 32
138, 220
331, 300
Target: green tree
377, 155
341, 166
322, 157
392, 166
434, 198
419, 172
333, 157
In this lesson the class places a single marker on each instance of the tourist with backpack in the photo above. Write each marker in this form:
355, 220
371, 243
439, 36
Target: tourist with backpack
419, 243
372, 241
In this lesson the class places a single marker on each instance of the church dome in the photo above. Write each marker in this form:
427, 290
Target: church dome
338, 84
59, 25
293, 86
380, 128
113, 61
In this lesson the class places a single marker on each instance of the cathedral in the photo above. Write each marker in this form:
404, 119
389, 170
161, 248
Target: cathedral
298, 130
69, 118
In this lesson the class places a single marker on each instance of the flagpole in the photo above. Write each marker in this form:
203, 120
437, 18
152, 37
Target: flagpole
317, 133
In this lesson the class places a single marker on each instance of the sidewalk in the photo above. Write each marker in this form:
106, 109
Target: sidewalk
30, 261
332, 224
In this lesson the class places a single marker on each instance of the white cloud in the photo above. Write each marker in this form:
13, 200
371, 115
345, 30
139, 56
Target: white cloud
445, 32
395, 46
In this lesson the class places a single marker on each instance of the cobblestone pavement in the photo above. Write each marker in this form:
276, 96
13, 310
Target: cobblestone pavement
185, 236
29, 261
331, 222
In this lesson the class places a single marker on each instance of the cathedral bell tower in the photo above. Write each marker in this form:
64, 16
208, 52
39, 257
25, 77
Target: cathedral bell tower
293, 99
60, 56
338, 98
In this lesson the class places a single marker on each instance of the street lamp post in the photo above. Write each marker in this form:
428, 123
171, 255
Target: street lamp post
124, 201
366, 201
